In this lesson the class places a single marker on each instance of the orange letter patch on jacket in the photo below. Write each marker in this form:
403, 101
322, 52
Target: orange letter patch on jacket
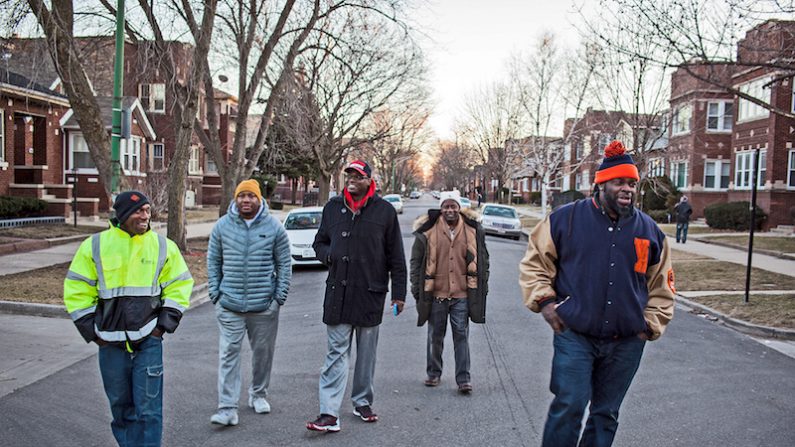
642, 252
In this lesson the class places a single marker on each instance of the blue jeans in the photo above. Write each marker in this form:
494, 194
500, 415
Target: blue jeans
681, 231
589, 369
458, 310
134, 385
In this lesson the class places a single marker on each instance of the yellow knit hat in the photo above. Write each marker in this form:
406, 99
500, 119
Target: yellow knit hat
251, 186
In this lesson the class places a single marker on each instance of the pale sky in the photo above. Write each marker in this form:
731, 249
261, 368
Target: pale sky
473, 39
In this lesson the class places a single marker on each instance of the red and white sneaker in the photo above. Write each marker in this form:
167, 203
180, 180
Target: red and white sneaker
324, 423
366, 413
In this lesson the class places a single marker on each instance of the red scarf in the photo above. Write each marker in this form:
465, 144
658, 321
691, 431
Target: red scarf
355, 205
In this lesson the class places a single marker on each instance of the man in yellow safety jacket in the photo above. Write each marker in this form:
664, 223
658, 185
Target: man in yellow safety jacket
125, 288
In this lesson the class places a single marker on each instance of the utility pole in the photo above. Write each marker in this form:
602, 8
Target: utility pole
118, 84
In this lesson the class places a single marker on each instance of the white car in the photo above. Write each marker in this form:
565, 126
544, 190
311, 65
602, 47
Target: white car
302, 225
501, 220
396, 201
465, 203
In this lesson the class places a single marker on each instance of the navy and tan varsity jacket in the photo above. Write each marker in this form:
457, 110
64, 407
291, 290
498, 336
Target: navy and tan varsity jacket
608, 279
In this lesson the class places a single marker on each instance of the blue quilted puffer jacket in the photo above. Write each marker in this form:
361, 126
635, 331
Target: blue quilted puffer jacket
248, 267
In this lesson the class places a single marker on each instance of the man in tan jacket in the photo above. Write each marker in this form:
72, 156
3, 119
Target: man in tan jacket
449, 278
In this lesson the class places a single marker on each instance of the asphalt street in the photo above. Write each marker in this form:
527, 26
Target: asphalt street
700, 385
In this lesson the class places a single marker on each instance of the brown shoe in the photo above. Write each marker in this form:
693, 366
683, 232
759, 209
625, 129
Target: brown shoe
465, 388
432, 381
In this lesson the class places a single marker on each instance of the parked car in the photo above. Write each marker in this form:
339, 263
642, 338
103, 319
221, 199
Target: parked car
501, 220
435, 194
465, 203
396, 201
302, 225
415, 195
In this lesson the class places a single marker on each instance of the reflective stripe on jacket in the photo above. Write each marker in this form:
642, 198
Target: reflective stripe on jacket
120, 288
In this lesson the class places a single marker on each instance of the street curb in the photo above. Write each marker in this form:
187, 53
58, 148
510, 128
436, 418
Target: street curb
197, 298
761, 251
739, 325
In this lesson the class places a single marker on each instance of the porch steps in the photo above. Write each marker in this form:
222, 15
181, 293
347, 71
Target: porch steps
784, 229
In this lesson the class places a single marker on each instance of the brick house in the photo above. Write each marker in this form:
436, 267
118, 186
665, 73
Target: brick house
31, 143
586, 137
146, 82
714, 135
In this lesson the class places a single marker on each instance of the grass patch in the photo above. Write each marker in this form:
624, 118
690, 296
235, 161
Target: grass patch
670, 229
45, 285
767, 310
48, 231
193, 215
781, 244
529, 222
707, 274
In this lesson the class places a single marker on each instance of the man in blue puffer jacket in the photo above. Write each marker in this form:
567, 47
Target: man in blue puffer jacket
248, 273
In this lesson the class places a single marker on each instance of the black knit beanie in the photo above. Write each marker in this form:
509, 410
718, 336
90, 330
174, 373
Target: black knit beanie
127, 203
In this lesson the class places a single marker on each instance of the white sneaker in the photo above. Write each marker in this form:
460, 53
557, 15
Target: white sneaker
259, 404
225, 416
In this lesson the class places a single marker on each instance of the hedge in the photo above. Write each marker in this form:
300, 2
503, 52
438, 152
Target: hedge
659, 216
15, 207
733, 216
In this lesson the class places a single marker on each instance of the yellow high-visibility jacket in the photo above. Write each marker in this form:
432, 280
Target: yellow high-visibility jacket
119, 288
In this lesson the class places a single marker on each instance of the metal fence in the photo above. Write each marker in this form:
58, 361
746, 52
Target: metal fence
11, 223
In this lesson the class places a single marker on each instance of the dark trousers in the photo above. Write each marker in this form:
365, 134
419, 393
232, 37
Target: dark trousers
458, 311
133, 382
588, 369
681, 231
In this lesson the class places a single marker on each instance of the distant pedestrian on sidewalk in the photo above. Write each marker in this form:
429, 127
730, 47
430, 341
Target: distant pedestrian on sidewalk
449, 279
248, 274
360, 241
683, 211
125, 288
599, 271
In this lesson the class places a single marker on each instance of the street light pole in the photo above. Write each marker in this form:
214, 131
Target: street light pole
754, 180
118, 81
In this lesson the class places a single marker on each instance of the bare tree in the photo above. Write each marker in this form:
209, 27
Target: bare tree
453, 165
355, 66
58, 27
694, 34
492, 116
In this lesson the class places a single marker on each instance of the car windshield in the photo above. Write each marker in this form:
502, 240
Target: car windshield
303, 221
499, 212
392, 199
463, 200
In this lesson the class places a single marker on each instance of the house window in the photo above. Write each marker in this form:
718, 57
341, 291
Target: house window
604, 140
157, 156
578, 150
720, 115
584, 181
193, 162
756, 88
744, 167
131, 155
679, 173
716, 174
2, 137
656, 167
80, 157
209, 165
680, 120
791, 170
153, 97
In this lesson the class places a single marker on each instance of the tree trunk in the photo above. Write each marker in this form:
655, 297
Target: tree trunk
323, 181
177, 168
228, 185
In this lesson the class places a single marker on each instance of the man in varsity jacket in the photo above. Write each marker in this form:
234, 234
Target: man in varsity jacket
599, 271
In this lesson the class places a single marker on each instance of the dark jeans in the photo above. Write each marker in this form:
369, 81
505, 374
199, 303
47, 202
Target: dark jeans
681, 230
588, 369
134, 385
458, 310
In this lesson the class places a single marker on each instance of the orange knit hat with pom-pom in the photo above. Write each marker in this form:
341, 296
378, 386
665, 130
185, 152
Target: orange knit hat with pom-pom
617, 164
